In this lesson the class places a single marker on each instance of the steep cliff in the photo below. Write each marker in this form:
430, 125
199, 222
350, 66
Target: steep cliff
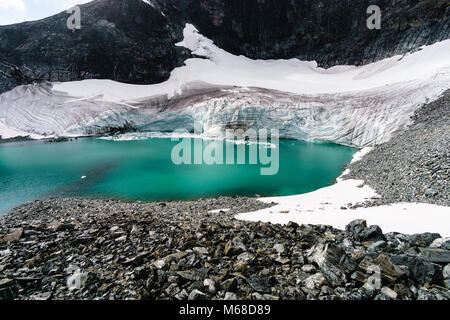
133, 41
123, 40
331, 32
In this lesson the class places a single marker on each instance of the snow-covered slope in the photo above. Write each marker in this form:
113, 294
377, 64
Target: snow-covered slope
358, 106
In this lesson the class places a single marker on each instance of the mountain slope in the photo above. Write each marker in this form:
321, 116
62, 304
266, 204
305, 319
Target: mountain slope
332, 32
133, 41
123, 40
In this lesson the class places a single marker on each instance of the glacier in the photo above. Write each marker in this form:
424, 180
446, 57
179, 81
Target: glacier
355, 106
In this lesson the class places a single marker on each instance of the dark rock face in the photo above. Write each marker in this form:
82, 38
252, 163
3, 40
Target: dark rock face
123, 40
131, 41
329, 31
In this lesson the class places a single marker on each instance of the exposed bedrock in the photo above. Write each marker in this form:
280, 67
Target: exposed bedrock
364, 118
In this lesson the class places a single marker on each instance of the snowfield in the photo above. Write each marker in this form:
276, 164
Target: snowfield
325, 207
355, 106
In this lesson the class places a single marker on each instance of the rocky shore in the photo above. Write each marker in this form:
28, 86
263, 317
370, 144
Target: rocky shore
414, 166
106, 250
195, 250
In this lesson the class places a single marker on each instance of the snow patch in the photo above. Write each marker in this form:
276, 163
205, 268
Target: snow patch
407, 218
329, 206
218, 211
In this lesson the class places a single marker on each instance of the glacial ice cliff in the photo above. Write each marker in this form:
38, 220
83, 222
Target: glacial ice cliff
355, 106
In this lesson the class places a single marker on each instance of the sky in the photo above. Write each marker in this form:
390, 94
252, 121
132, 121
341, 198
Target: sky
15, 11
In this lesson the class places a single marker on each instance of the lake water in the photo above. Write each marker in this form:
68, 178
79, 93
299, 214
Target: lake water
143, 170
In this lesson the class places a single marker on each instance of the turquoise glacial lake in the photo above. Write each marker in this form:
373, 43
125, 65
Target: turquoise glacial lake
143, 170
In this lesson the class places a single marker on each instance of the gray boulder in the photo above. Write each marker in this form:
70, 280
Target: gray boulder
333, 263
421, 271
